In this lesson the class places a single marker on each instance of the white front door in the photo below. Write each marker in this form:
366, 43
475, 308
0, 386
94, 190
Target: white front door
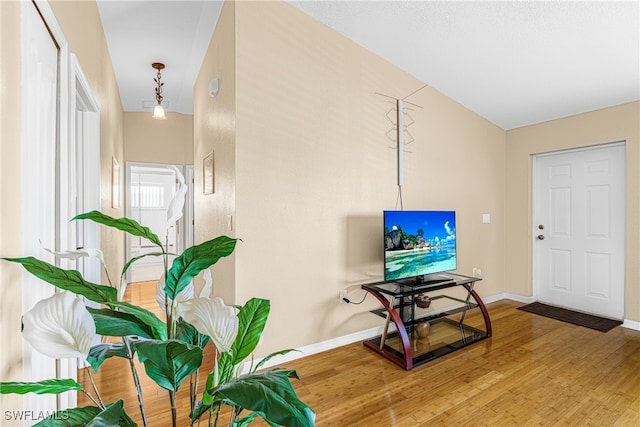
578, 229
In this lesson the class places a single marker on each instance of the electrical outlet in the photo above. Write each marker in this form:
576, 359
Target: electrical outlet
477, 272
343, 294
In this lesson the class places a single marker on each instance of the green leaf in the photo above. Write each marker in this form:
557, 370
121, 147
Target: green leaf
90, 416
110, 417
125, 224
207, 399
113, 323
76, 417
271, 394
101, 352
134, 259
200, 409
277, 353
168, 363
187, 333
54, 386
225, 368
195, 259
252, 319
158, 327
245, 421
68, 280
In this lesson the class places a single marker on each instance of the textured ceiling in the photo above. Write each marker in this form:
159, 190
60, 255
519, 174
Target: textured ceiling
512, 62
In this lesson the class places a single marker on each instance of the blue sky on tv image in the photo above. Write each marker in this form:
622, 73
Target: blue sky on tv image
427, 246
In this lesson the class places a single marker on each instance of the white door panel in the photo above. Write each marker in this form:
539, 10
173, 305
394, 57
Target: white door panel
579, 230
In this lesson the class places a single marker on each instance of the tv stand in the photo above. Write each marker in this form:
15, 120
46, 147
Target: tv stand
424, 334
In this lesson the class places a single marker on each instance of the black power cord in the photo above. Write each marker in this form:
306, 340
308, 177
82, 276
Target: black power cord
348, 301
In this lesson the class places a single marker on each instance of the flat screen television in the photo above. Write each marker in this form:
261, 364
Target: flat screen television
418, 244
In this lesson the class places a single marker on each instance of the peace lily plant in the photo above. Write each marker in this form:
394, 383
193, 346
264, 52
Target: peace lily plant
67, 324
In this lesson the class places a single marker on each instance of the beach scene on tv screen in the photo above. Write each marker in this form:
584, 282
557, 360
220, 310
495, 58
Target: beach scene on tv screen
418, 243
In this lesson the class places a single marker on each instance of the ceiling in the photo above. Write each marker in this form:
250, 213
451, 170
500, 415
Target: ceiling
141, 32
514, 63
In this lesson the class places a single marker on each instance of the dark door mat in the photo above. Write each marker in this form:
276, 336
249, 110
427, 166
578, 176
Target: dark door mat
581, 319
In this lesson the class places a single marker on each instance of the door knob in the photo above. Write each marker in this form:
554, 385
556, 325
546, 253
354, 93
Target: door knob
540, 237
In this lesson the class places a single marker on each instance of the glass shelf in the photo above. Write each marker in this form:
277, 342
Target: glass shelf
407, 287
444, 337
437, 309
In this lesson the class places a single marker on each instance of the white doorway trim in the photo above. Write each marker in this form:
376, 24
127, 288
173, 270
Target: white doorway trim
179, 231
85, 158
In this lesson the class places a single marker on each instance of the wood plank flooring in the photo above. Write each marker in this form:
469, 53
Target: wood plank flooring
534, 371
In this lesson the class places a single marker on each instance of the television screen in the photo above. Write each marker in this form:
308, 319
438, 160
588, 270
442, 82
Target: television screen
417, 243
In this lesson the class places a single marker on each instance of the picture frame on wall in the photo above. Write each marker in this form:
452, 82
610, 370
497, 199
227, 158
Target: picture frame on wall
115, 183
208, 174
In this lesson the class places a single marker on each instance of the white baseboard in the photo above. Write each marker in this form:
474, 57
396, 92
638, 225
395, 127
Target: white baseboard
506, 295
631, 324
310, 349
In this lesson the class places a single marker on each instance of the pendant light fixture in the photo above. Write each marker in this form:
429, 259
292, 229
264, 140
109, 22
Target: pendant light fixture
158, 111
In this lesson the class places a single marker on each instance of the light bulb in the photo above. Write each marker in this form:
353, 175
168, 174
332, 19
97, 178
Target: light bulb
158, 113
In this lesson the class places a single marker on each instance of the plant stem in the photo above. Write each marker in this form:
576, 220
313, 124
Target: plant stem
91, 397
106, 272
136, 379
168, 307
234, 415
193, 388
93, 384
174, 410
191, 392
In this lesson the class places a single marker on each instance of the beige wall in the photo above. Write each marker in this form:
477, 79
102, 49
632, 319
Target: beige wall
215, 130
158, 141
82, 29
621, 123
314, 171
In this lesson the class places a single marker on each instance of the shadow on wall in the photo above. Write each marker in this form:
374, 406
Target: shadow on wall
364, 249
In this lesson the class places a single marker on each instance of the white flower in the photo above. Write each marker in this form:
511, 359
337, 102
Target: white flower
174, 211
60, 326
210, 316
86, 252
161, 296
208, 284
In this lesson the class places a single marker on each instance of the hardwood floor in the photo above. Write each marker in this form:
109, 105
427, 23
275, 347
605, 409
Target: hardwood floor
533, 371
